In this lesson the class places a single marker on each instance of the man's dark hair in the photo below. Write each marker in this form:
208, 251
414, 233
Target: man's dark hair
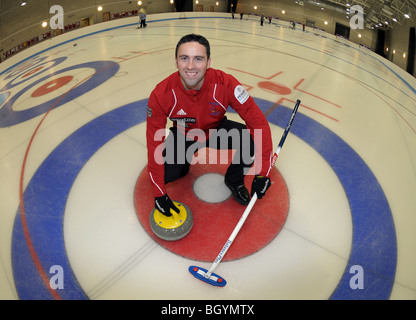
194, 38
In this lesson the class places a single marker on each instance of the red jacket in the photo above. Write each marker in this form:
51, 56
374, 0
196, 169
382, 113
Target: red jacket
203, 109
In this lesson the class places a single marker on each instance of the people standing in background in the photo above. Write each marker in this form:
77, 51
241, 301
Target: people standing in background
142, 17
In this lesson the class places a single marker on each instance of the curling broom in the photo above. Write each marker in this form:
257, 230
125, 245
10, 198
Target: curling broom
207, 275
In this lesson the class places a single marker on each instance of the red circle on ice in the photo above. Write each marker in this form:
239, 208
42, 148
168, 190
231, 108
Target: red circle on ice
274, 87
214, 222
51, 86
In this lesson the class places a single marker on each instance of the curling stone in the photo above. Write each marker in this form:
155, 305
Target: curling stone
172, 228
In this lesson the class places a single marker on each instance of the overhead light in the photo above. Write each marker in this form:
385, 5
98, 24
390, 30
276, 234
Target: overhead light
23, 3
407, 16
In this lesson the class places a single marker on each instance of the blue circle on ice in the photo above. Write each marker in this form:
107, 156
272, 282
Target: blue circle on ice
374, 238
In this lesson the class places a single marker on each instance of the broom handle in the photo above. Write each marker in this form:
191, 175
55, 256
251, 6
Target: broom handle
252, 201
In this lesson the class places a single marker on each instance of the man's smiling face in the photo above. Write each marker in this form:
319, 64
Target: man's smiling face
192, 62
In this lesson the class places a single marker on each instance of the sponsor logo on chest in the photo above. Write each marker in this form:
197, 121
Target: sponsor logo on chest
182, 120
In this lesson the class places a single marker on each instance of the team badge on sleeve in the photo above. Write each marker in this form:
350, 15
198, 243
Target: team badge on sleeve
241, 94
149, 112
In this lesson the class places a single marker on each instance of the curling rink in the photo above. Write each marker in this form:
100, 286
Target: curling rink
339, 221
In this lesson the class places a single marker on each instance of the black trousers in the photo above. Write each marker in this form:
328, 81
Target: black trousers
229, 135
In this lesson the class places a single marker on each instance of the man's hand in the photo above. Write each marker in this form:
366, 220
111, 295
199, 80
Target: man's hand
164, 204
260, 185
